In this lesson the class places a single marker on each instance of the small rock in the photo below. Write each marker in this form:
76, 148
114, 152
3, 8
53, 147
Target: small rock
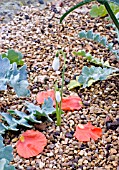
80, 161
69, 135
81, 153
86, 103
50, 25
26, 17
113, 151
41, 1
14, 139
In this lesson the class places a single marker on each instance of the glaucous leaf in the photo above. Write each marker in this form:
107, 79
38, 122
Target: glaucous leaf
2, 128
94, 74
4, 165
16, 78
4, 67
6, 152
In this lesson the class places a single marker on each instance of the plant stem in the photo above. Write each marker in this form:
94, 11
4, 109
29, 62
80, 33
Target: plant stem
58, 115
60, 105
57, 107
64, 56
74, 7
110, 12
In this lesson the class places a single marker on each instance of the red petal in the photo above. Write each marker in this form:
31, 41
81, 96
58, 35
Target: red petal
85, 132
33, 144
71, 103
41, 96
68, 104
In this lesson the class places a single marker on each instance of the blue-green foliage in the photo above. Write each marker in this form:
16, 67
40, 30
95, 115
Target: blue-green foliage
92, 74
114, 1
99, 39
13, 76
23, 119
6, 156
95, 37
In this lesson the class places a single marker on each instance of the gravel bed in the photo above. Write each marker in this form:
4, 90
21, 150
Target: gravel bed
10, 8
37, 34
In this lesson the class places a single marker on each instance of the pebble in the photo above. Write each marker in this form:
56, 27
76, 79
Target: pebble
69, 135
14, 139
113, 151
41, 1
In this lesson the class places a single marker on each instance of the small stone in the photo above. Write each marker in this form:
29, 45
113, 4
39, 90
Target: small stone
85, 161
113, 151
86, 103
81, 153
14, 139
41, 1
40, 163
50, 25
69, 135
115, 163
80, 161
26, 17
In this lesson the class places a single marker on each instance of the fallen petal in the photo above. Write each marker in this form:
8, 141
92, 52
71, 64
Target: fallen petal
31, 143
41, 96
86, 132
71, 103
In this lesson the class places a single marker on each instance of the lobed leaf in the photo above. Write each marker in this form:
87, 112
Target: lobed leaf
16, 78
73, 84
21, 121
92, 36
9, 119
14, 56
47, 108
99, 39
6, 152
93, 74
4, 165
92, 59
6, 156
4, 67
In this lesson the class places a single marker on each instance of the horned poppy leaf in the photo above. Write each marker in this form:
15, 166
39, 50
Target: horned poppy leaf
71, 103
31, 143
86, 132
41, 96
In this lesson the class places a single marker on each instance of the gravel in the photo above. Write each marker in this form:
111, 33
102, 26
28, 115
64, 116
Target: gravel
38, 41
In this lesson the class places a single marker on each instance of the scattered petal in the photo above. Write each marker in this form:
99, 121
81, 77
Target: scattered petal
41, 96
84, 132
71, 103
31, 143
68, 103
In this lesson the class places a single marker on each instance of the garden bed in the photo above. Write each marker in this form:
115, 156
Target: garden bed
38, 37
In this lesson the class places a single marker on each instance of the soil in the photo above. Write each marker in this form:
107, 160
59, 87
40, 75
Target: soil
38, 35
